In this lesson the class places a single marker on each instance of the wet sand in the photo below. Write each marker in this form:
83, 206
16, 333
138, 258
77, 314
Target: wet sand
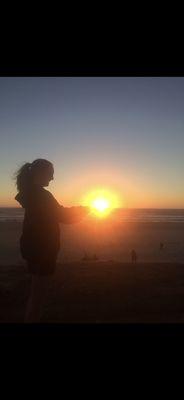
108, 239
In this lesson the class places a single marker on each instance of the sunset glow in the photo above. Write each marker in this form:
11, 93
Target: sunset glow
101, 201
123, 134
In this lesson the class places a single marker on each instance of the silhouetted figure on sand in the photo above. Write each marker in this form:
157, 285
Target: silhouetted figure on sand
86, 257
40, 239
161, 245
133, 256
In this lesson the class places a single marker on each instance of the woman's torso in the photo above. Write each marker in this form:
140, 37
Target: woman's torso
40, 237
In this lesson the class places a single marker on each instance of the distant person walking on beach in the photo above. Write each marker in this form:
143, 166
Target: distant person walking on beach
161, 246
40, 239
133, 256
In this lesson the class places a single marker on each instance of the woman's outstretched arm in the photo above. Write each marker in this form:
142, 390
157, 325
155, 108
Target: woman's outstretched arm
70, 215
67, 215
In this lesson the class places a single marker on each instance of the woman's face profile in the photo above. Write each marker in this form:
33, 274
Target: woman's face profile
43, 177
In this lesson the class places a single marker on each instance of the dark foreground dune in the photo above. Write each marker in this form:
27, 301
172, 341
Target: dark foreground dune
100, 292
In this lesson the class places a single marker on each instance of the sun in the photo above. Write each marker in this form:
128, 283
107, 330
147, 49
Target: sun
101, 202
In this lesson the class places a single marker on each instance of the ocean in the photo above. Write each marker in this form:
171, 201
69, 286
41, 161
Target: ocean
127, 215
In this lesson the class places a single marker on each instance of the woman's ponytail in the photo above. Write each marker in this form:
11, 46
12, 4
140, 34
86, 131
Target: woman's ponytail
23, 177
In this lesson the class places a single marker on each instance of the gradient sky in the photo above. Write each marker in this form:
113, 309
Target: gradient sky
123, 133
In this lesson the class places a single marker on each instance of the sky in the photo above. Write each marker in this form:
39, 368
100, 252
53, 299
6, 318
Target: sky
124, 134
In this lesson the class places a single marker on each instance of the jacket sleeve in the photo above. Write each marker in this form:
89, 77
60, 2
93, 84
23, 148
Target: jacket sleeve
68, 215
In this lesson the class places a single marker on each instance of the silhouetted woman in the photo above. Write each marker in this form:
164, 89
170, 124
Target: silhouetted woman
40, 239
134, 256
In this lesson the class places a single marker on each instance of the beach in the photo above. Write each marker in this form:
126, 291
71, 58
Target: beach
99, 292
108, 239
109, 290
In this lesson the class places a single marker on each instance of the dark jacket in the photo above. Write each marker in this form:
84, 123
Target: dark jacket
40, 237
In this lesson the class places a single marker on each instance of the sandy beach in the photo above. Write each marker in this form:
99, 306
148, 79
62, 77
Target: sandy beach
111, 289
108, 239
99, 292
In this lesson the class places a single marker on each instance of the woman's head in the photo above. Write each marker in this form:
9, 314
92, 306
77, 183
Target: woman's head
39, 172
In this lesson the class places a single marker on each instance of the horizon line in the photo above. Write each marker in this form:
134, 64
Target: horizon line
124, 208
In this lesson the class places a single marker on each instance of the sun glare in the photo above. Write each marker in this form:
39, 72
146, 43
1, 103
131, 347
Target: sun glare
101, 201
100, 204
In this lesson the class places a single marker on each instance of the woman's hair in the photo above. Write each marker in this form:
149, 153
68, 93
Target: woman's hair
24, 175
